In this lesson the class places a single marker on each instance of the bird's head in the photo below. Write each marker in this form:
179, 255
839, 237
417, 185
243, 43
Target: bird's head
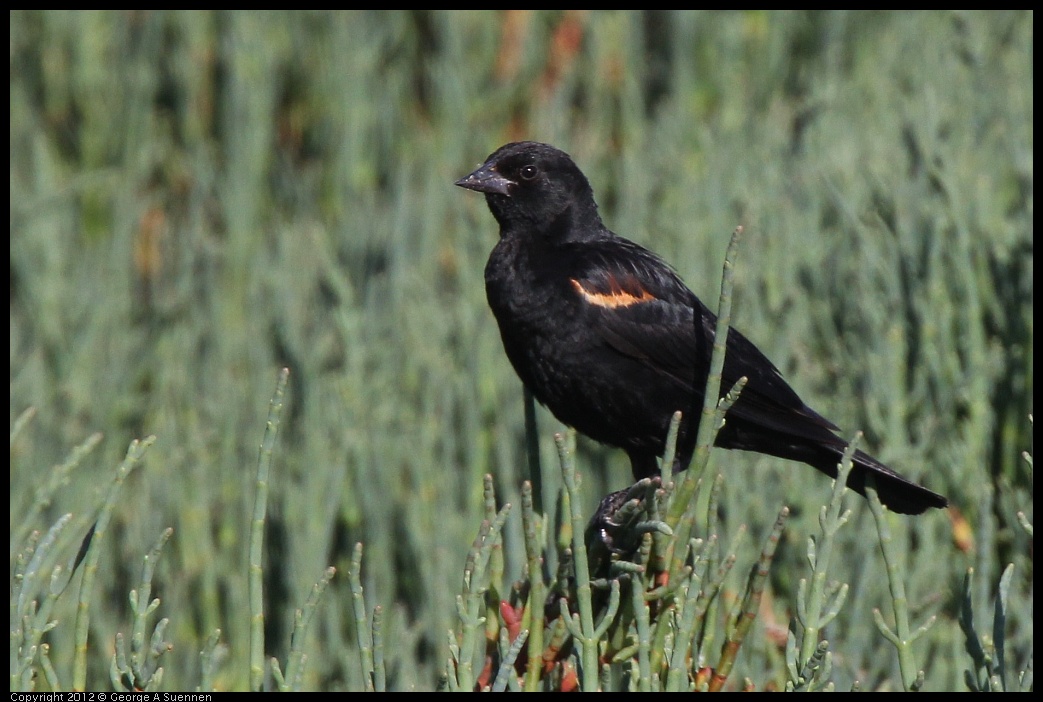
534, 187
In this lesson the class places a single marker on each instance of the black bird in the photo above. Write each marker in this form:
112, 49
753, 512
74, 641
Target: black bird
608, 337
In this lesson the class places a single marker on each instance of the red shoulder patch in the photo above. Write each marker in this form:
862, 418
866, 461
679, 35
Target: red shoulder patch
614, 294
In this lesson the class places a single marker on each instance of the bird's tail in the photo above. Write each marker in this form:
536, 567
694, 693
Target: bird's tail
899, 494
824, 452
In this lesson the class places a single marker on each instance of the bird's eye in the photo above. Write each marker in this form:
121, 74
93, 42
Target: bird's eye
529, 172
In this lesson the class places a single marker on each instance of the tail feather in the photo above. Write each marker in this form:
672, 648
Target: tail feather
897, 493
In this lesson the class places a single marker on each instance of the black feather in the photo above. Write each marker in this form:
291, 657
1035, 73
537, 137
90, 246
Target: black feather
609, 338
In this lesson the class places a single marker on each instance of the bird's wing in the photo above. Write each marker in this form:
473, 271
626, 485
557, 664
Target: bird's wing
643, 310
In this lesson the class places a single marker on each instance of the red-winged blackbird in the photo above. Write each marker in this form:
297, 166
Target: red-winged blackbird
608, 337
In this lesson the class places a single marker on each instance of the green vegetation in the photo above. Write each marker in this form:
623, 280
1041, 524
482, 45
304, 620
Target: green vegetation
200, 199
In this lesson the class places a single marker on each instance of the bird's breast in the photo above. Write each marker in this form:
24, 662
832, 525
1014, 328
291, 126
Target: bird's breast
525, 290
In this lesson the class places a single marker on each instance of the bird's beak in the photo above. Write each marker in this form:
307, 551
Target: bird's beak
486, 180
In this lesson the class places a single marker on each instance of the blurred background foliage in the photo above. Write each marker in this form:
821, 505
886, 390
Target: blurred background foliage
200, 198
